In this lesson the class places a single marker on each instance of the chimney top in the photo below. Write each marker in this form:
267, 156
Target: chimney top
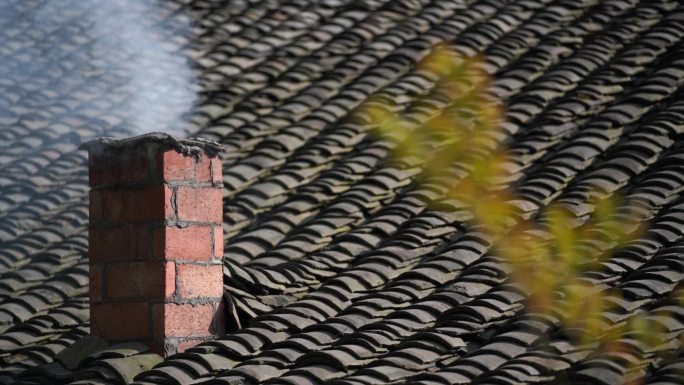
190, 146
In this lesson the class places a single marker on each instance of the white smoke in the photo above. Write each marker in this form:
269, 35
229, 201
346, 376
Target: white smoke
119, 62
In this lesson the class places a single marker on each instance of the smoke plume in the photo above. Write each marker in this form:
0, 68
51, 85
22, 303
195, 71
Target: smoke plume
116, 63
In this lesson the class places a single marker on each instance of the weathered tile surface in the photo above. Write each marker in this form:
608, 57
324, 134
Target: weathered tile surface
336, 270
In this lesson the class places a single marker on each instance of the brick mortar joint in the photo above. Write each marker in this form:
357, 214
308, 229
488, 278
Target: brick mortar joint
192, 262
177, 300
161, 223
173, 300
195, 262
135, 186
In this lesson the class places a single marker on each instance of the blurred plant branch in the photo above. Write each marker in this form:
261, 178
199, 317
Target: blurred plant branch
551, 252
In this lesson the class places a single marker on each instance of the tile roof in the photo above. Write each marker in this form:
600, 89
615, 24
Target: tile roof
336, 270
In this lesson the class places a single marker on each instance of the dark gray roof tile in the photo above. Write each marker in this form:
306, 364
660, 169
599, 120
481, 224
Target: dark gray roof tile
325, 238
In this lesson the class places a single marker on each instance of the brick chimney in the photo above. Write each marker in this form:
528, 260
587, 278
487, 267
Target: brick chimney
156, 241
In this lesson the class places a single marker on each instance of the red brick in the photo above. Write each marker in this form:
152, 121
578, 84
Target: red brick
218, 242
170, 279
200, 204
179, 167
116, 243
96, 209
192, 243
199, 281
117, 205
96, 284
158, 243
144, 242
96, 174
217, 171
115, 168
137, 204
121, 321
134, 166
187, 320
138, 280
